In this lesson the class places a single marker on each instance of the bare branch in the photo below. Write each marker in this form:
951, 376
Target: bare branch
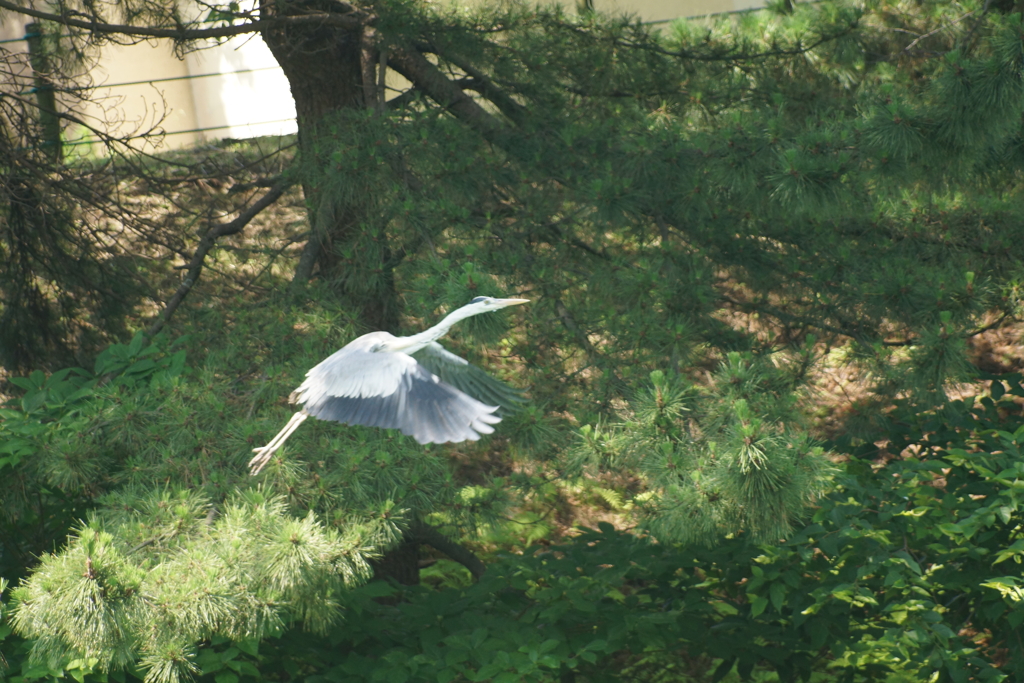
917, 40
208, 241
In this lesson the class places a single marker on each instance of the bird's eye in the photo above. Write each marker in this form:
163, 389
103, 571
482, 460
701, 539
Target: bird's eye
479, 299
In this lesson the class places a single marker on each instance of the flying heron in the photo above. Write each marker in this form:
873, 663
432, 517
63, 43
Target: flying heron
408, 383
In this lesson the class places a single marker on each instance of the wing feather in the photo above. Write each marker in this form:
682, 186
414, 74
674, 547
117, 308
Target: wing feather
360, 386
354, 370
456, 371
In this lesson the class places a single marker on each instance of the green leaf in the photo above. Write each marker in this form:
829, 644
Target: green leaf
22, 382
177, 364
133, 350
249, 646
723, 669
758, 606
778, 595
1013, 551
1005, 513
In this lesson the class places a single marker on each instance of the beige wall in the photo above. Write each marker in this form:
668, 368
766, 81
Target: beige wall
232, 90
134, 88
248, 96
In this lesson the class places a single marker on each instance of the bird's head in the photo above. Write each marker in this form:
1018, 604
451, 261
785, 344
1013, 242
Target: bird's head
482, 304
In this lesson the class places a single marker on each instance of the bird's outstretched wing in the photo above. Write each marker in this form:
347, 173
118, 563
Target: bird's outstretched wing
459, 373
392, 391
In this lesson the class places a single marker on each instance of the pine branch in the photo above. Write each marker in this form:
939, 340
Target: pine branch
914, 341
486, 87
438, 87
851, 329
729, 54
581, 338
578, 243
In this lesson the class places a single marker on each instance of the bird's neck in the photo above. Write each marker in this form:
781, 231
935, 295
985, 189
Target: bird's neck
418, 341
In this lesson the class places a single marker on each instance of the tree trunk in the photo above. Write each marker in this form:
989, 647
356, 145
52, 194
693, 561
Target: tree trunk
330, 69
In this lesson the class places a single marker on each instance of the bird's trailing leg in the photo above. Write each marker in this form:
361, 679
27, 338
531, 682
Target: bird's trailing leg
264, 453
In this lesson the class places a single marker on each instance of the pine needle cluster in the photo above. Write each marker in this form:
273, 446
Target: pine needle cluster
728, 461
245, 569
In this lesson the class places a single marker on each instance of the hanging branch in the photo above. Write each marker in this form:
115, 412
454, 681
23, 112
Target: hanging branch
429, 79
491, 91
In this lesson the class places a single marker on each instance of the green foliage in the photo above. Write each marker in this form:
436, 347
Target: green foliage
640, 185
922, 582
950, 505
715, 460
50, 472
696, 216
244, 573
273, 553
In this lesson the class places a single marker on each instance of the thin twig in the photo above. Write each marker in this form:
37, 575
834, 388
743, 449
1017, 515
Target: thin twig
917, 40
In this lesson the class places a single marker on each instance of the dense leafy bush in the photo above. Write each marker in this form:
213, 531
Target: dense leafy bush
909, 570
49, 471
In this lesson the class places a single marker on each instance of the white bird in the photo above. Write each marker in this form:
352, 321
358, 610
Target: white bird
375, 381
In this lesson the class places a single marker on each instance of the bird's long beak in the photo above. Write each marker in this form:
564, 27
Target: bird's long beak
511, 302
